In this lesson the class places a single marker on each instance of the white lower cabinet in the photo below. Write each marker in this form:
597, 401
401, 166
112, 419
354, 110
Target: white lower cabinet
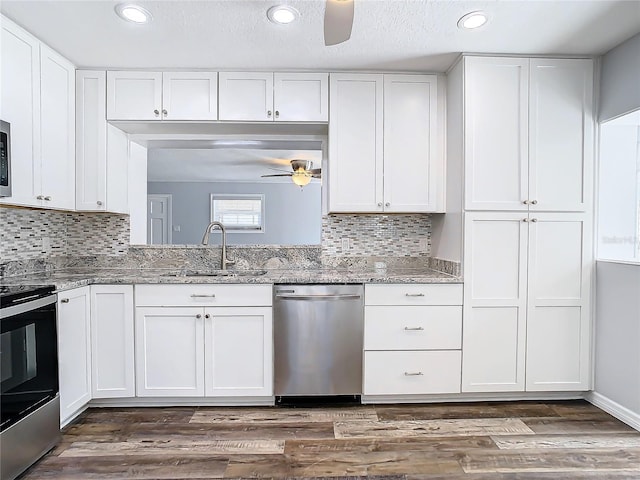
74, 352
526, 311
412, 339
211, 347
112, 344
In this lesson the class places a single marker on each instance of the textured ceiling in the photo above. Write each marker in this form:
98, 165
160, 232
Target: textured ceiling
409, 35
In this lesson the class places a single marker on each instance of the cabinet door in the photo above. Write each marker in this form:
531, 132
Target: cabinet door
57, 130
117, 170
355, 143
239, 351
301, 97
91, 141
112, 346
411, 173
561, 134
169, 352
495, 296
134, 95
20, 97
190, 96
558, 318
496, 133
74, 352
246, 96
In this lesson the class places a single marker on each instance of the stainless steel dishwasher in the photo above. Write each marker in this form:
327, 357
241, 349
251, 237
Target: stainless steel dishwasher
318, 335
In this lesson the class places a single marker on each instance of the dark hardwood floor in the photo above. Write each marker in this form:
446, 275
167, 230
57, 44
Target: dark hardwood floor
479, 441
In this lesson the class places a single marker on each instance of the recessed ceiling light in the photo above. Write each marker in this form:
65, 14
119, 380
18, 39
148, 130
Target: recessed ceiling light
473, 20
133, 13
282, 14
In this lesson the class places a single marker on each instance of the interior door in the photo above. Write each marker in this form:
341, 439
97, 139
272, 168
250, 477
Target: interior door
159, 221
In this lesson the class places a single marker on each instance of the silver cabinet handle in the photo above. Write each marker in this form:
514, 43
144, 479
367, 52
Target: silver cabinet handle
414, 294
413, 328
207, 315
534, 220
99, 203
269, 113
164, 112
387, 204
156, 112
47, 198
534, 202
198, 316
412, 374
526, 202
64, 300
203, 295
40, 197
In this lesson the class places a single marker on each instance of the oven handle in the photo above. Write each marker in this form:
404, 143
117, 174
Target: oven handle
320, 297
6, 312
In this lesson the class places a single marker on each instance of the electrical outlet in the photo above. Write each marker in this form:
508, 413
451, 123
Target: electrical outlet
176, 228
346, 244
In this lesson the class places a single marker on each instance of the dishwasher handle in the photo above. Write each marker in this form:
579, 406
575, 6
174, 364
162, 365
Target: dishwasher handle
320, 297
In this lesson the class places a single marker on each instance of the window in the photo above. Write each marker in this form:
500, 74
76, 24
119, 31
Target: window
238, 213
619, 189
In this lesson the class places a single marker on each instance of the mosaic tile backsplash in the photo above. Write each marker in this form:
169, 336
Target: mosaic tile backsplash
376, 235
34, 234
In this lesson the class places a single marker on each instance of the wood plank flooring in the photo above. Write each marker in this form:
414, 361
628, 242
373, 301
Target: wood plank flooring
478, 441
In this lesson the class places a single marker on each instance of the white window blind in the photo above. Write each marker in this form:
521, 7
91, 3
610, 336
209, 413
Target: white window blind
238, 213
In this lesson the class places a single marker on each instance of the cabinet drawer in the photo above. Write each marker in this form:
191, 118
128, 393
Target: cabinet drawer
413, 294
203, 295
412, 328
398, 373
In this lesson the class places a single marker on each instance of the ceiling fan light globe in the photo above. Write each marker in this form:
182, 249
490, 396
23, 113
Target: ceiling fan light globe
301, 177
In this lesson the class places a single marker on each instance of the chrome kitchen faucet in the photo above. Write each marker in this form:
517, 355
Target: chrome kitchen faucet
224, 261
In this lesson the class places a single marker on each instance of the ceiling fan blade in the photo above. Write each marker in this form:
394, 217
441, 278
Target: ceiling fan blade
316, 175
338, 20
278, 175
315, 171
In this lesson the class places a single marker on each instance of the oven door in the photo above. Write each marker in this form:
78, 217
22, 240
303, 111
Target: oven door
28, 358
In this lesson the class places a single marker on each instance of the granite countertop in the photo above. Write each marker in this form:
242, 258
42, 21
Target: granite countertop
78, 277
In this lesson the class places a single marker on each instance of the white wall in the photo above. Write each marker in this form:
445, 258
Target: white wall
620, 80
292, 215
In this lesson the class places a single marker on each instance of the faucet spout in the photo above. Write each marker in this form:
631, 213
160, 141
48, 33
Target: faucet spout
224, 261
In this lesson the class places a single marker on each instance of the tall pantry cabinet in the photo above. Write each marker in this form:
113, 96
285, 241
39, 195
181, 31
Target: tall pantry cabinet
523, 132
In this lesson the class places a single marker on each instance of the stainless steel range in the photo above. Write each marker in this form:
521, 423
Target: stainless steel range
30, 410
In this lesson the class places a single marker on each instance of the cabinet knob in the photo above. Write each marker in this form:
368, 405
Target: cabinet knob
156, 112
47, 198
387, 204
99, 203
207, 316
525, 219
269, 113
534, 202
198, 316
40, 197
277, 114
534, 220
526, 202
164, 112
64, 300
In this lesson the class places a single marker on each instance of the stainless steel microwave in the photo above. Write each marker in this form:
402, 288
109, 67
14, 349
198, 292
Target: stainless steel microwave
5, 159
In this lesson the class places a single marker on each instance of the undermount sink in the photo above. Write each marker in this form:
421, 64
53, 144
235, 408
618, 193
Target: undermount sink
218, 273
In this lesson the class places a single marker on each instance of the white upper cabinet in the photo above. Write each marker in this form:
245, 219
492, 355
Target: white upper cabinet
528, 133
285, 97
101, 149
162, 96
38, 100
355, 143
385, 153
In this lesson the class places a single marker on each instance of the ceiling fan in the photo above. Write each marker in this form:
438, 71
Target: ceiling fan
338, 20
302, 174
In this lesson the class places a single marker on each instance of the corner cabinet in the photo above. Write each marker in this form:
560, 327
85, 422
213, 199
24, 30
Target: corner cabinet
38, 100
274, 97
162, 95
385, 147
204, 340
528, 133
74, 352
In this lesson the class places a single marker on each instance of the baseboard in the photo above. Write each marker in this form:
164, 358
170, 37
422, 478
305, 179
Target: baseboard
472, 397
183, 401
613, 408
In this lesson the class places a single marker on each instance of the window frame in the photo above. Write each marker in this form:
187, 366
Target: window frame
239, 196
